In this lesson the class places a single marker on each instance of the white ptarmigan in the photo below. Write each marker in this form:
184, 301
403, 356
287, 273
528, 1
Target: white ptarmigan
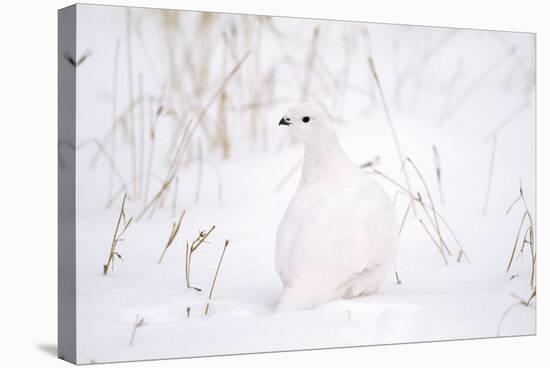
338, 236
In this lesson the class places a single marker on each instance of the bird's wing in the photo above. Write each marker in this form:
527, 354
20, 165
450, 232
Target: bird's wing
286, 234
327, 238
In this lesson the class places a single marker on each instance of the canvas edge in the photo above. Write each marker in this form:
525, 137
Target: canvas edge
66, 251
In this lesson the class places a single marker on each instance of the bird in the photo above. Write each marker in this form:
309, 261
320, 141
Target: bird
338, 236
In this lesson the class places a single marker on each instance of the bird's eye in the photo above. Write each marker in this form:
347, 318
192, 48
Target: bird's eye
305, 119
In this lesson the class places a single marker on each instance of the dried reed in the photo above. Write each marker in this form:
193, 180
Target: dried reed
173, 234
114, 117
190, 249
186, 136
215, 277
528, 238
391, 125
117, 238
139, 323
418, 199
437, 163
491, 170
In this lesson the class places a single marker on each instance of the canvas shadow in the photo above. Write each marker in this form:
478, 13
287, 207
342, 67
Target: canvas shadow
50, 349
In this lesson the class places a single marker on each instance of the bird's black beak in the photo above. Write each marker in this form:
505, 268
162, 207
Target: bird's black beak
284, 122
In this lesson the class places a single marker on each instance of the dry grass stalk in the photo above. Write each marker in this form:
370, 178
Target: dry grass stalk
123, 187
415, 66
469, 90
531, 297
175, 198
426, 208
215, 277
114, 112
520, 64
528, 238
504, 316
147, 53
491, 169
442, 243
190, 249
141, 136
309, 64
106, 139
216, 170
154, 200
60, 144
186, 136
397, 279
417, 198
152, 134
528, 301
131, 95
101, 149
437, 163
374, 162
391, 125
460, 254
450, 90
187, 266
521, 302
117, 238
508, 119
405, 216
223, 135
76, 63
221, 88
139, 323
435, 242
173, 234
199, 172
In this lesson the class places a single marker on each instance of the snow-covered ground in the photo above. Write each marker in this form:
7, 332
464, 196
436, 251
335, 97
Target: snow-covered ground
445, 88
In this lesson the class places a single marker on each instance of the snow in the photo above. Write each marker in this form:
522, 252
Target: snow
433, 302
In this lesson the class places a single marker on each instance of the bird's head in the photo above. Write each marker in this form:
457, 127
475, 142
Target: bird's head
308, 122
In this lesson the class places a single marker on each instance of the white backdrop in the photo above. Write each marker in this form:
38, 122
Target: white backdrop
28, 78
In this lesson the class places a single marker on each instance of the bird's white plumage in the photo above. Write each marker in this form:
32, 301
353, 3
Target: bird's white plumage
338, 236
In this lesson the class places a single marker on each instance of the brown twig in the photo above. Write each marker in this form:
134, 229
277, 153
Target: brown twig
508, 119
199, 173
187, 133
403, 191
114, 112
215, 277
190, 249
491, 169
434, 241
467, 92
528, 238
397, 279
391, 125
116, 237
101, 149
131, 95
432, 205
175, 198
139, 323
173, 233
437, 163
